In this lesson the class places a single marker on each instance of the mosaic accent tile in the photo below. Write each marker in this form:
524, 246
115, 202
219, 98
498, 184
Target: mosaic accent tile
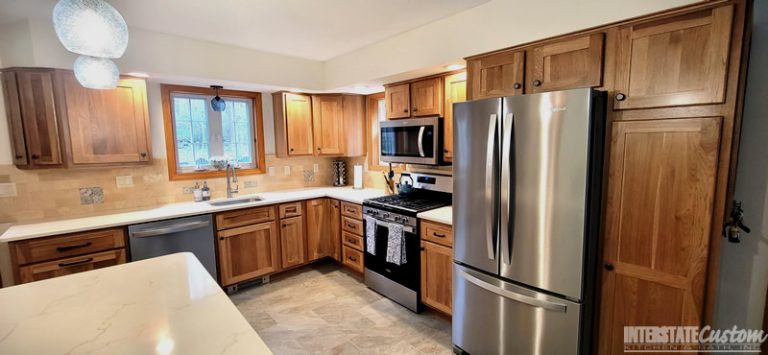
91, 195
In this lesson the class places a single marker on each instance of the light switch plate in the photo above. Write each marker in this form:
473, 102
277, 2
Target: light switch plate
272, 171
315, 167
287, 170
188, 190
8, 189
250, 183
124, 181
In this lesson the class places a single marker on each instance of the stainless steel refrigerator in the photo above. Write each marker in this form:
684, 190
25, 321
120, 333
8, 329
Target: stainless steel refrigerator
527, 172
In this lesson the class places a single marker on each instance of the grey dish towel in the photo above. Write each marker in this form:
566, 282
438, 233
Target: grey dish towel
370, 235
396, 245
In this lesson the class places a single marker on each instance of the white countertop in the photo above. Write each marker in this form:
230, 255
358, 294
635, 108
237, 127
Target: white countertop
44, 229
440, 215
163, 305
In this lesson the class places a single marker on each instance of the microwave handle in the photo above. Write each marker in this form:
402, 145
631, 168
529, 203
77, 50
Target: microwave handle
421, 141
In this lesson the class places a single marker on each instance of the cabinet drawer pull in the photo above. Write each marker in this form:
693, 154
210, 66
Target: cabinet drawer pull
75, 263
350, 210
351, 241
438, 235
350, 225
291, 209
352, 258
72, 247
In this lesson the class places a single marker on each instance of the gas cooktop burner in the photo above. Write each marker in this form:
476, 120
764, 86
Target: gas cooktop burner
414, 204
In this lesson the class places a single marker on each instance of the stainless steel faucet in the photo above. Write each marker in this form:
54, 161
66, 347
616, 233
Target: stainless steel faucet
231, 181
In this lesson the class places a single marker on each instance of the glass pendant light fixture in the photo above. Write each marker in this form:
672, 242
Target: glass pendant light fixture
90, 27
217, 103
96, 73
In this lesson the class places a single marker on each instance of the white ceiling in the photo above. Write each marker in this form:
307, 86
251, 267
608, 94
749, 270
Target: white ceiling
312, 29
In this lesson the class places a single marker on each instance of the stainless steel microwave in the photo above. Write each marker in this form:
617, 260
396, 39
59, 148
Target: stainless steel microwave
412, 141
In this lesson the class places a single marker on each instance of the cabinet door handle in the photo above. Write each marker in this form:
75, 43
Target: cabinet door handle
608, 266
537, 82
19, 156
405, 110
75, 263
620, 97
318, 148
35, 157
517, 86
291, 149
285, 225
72, 247
415, 109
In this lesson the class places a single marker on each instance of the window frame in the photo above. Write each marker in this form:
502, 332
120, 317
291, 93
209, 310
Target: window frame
170, 135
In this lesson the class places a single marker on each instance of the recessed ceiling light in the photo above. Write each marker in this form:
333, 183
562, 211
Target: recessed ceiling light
138, 74
455, 66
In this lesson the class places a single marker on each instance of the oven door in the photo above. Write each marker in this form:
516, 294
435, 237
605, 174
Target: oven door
412, 141
406, 274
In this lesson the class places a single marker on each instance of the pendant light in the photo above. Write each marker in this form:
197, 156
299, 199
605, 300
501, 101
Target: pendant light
217, 103
95, 30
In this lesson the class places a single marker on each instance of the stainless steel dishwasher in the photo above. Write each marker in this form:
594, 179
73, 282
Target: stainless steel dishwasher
190, 234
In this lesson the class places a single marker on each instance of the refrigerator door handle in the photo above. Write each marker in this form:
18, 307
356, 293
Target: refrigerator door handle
506, 252
421, 141
489, 164
531, 301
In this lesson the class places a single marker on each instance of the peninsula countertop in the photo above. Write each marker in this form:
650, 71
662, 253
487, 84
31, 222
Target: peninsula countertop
176, 210
163, 305
440, 215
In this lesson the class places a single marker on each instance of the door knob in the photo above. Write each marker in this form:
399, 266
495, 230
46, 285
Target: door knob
608, 266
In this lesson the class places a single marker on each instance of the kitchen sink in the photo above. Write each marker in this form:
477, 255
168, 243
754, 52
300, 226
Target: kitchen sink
235, 201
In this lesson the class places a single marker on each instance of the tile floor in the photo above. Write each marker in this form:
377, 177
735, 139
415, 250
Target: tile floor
324, 309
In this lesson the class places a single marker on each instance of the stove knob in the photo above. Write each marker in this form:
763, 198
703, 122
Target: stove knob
385, 215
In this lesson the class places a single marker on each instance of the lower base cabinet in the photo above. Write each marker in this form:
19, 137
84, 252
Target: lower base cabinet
437, 266
61, 267
248, 252
323, 228
293, 247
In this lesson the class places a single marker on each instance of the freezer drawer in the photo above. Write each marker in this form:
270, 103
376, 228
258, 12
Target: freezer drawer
491, 316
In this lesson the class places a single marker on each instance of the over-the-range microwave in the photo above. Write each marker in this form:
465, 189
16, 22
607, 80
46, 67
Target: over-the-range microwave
412, 141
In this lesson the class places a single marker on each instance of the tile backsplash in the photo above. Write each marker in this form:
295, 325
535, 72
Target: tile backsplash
70, 193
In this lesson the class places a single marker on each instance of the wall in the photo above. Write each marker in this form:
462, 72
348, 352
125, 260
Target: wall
743, 277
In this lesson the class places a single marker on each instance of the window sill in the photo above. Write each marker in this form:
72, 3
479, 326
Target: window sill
197, 175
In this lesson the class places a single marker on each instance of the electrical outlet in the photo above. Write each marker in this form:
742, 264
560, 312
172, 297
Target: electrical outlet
188, 190
316, 167
287, 170
124, 181
272, 171
250, 183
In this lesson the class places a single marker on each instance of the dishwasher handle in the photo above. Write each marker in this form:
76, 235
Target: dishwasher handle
175, 228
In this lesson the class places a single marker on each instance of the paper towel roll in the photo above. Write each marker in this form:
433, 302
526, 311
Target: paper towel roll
358, 176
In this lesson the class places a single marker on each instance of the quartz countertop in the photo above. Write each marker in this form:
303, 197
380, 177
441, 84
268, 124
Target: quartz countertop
44, 229
163, 305
440, 215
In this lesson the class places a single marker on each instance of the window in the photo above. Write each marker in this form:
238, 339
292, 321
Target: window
200, 140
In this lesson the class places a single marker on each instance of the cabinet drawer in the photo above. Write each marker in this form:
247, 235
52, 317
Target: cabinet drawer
353, 258
352, 225
244, 217
437, 233
44, 249
351, 210
352, 241
49, 269
290, 209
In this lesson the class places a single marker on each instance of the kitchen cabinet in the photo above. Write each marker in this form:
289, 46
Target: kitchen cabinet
354, 125
293, 242
244, 217
107, 126
673, 62
352, 235
293, 124
44, 258
397, 99
660, 200
35, 115
427, 97
248, 252
566, 64
328, 124
455, 91
335, 229
437, 266
320, 239
496, 75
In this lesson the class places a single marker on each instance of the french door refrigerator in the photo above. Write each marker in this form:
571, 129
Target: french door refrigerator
526, 197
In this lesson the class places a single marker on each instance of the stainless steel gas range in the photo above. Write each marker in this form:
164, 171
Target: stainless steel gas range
392, 247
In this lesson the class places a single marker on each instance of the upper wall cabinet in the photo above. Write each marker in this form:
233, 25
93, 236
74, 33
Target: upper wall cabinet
566, 64
455, 91
496, 75
55, 122
107, 126
293, 124
427, 97
330, 125
397, 99
674, 61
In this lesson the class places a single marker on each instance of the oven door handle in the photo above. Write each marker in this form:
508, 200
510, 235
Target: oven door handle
386, 224
421, 141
